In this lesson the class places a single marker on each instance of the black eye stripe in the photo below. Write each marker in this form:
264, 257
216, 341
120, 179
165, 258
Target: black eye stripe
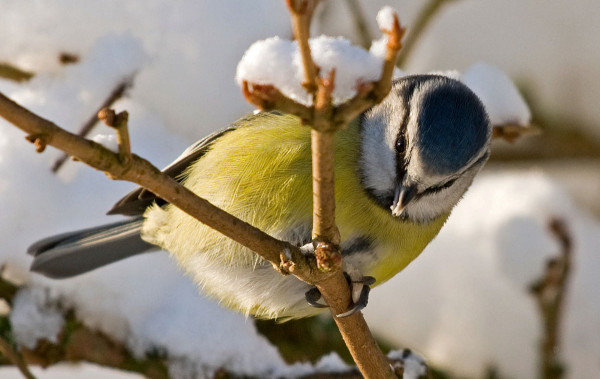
438, 188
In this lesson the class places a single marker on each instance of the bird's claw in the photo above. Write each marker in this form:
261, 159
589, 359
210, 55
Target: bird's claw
312, 297
360, 295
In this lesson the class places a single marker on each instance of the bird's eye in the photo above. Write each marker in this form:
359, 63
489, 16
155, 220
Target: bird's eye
401, 144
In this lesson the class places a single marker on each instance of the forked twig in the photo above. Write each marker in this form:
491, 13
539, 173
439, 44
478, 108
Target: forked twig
115, 95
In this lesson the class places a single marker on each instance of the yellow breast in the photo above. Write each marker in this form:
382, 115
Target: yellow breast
262, 174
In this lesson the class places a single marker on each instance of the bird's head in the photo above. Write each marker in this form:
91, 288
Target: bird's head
423, 145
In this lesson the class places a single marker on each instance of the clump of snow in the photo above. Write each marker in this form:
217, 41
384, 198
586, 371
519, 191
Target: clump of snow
331, 363
414, 365
496, 90
385, 18
109, 141
33, 318
278, 62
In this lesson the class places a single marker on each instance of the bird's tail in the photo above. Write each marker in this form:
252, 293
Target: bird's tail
74, 253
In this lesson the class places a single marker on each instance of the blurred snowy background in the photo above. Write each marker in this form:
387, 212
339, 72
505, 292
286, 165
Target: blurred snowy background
463, 304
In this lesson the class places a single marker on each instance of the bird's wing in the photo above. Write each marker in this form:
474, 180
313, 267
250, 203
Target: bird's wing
136, 202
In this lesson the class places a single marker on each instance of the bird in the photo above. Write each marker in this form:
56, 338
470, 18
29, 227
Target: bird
400, 168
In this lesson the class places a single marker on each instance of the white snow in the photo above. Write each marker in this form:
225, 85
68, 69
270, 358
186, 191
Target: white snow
385, 18
463, 303
496, 90
34, 318
414, 365
278, 62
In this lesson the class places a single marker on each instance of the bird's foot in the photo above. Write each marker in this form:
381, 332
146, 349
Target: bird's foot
359, 287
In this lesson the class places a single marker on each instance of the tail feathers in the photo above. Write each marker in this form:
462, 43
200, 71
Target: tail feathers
74, 253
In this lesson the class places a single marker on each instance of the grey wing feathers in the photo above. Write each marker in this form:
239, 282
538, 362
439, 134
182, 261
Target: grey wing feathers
75, 253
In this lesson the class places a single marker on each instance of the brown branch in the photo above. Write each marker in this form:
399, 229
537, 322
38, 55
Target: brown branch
550, 292
7, 350
302, 11
120, 123
115, 95
427, 14
140, 171
10, 72
325, 119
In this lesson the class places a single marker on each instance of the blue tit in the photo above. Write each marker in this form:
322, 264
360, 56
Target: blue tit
400, 169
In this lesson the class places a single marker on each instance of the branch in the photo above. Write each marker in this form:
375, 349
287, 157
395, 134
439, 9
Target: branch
511, 132
138, 170
7, 350
325, 119
10, 72
428, 13
550, 292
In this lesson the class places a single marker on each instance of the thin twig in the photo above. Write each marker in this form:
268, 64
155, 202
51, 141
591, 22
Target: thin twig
427, 14
120, 123
550, 292
360, 23
115, 95
302, 11
11, 72
7, 350
512, 132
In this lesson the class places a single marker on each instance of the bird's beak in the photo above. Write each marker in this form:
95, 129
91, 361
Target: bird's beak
402, 196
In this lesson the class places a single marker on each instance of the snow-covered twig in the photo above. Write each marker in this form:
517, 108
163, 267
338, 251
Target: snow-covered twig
325, 119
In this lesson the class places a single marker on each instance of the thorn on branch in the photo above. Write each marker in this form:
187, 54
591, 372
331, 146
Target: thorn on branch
39, 141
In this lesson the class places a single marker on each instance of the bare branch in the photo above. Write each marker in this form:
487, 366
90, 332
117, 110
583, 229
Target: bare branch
302, 11
7, 350
145, 174
428, 13
10, 72
119, 123
550, 292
